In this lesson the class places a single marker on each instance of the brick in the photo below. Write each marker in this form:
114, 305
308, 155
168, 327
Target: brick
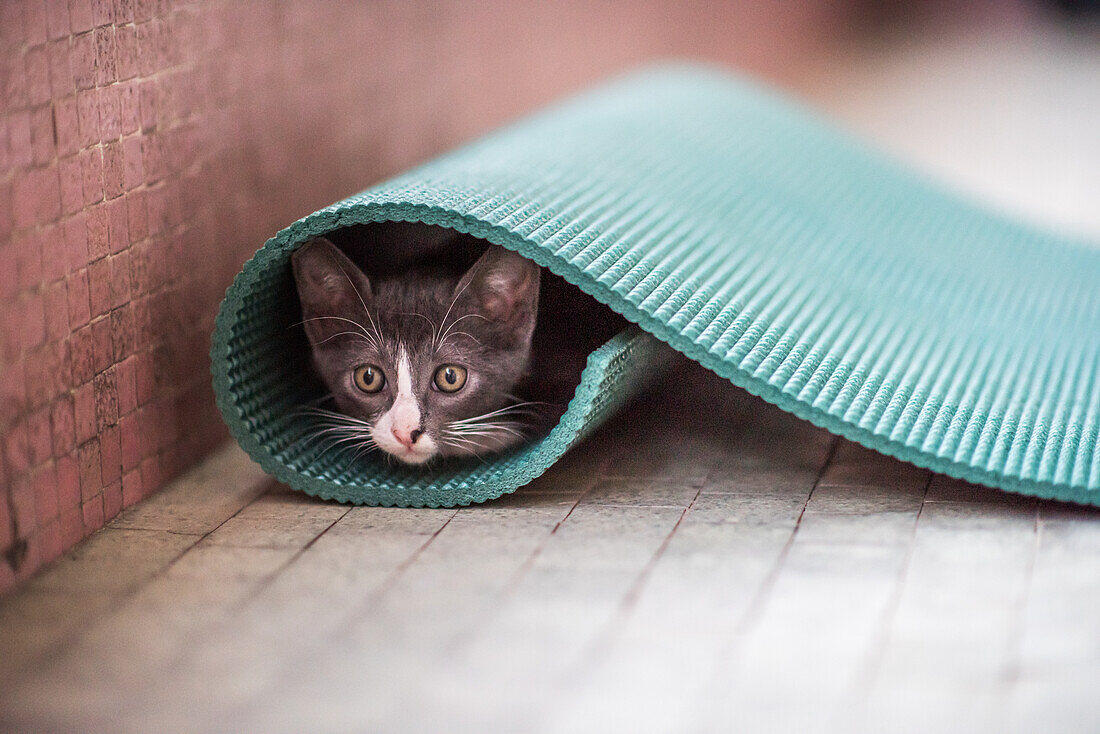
110, 112
112, 170
102, 348
129, 443
74, 234
80, 15
91, 171
132, 491
123, 339
61, 70
32, 322
90, 465
19, 139
50, 539
124, 11
10, 347
46, 507
82, 60
82, 356
126, 52
106, 400
43, 148
34, 23
71, 177
92, 512
53, 253
71, 523
112, 500
118, 226
27, 260
99, 287
150, 473
13, 391
111, 451
11, 23
62, 425
39, 439
56, 305
152, 154
137, 217
147, 104
157, 208
146, 418
38, 76
143, 10
37, 197
129, 107
146, 378
133, 174
76, 287
120, 279
103, 12
68, 482
99, 231
15, 449
43, 381
57, 18
7, 220
106, 60
22, 499
84, 412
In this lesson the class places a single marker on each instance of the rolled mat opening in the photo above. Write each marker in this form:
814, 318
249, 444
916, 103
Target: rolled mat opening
744, 232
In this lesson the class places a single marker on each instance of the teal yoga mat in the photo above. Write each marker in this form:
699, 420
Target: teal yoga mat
744, 231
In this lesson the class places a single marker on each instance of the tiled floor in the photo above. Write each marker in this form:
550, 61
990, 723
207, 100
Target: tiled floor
705, 563
756, 572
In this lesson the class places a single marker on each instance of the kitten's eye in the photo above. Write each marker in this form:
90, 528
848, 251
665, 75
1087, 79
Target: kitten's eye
450, 378
369, 378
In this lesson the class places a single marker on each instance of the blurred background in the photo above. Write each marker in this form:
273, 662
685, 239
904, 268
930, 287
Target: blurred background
148, 147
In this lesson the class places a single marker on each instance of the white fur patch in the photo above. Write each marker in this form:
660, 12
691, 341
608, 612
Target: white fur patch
403, 417
405, 410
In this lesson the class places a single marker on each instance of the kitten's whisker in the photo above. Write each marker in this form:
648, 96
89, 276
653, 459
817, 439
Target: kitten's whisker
367, 339
361, 301
435, 330
494, 432
494, 413
333, 415
489, 429
454, 300
340, 318
456, 322
465, 445
467, 334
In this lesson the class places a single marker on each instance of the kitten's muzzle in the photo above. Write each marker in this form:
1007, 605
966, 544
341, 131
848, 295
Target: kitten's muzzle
407, 438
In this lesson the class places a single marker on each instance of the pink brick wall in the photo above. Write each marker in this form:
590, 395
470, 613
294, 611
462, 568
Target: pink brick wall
147, 147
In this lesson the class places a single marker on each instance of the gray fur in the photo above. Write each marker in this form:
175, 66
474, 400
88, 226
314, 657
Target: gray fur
482, 321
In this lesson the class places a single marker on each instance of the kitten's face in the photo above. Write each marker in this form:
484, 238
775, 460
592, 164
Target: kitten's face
421, 361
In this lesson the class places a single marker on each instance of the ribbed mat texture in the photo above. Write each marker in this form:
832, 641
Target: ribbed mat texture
753, 237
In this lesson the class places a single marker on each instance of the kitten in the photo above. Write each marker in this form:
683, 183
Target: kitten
425, 364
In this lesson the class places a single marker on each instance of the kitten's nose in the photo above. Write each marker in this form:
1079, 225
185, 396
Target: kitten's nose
407, 438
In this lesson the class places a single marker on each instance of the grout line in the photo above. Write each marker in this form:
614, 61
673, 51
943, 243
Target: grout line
604, 639
125, 595
867, 673
452, 647
756, 607
270, 578
529, 563
319, 645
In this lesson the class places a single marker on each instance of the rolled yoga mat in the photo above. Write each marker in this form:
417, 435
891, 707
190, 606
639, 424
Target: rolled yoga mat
747, 233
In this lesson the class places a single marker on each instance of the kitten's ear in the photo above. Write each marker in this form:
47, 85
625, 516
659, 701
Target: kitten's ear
329, 284
505, 289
